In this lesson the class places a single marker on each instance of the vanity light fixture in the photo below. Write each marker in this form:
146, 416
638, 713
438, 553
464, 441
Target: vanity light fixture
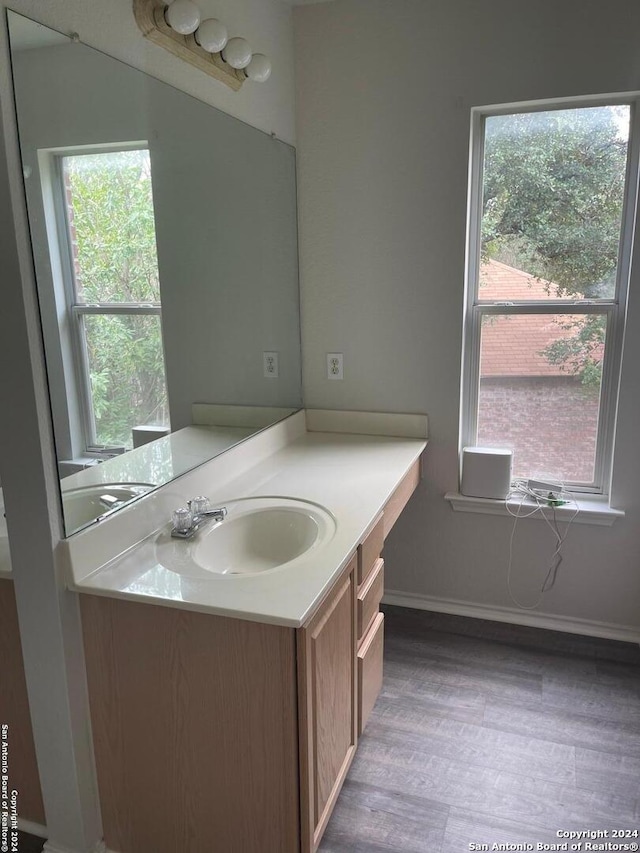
179, 28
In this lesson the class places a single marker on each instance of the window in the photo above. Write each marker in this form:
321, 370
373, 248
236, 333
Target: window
551, 209
107, 246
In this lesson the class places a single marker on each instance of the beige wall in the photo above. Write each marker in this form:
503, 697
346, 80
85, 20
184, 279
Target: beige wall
384, 92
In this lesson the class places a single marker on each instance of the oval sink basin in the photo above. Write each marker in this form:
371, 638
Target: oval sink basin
82, 506
258, 535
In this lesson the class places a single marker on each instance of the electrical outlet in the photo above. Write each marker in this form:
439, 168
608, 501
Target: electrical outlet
270, 365
334, 365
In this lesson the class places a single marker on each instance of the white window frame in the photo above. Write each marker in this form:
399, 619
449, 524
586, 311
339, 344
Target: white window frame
72, 332
614, 309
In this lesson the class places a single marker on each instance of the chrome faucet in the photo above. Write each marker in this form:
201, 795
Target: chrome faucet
188, 520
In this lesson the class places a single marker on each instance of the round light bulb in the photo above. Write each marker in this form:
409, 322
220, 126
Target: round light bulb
259, 69
212, 35
237, 53
183, 16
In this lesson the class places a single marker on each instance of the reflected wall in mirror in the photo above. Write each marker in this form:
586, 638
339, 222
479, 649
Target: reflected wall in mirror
165, 250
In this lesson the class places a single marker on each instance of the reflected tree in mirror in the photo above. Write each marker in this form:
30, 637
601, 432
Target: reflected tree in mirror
109, 203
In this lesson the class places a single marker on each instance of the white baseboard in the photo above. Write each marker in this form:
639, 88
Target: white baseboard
551, 621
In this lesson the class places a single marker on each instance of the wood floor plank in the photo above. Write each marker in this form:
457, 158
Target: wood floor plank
615, 702
458, 703
371, 820
466, 827
619, 689
509, 657
564, 726
597, 771
490, 680
391, 703
495, 792
616, 672
471, 744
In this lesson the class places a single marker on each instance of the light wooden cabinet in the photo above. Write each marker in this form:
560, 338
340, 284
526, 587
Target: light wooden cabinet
327, 702
257, 723
213, 733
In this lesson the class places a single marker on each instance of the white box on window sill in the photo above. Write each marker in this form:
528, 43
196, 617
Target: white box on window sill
486, 472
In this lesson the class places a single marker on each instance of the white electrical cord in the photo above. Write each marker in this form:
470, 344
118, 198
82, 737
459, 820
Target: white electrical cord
521, 487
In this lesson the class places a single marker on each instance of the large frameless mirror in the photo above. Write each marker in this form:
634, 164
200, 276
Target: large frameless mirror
165, 250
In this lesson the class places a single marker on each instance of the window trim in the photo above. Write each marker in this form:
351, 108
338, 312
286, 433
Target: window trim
615, 308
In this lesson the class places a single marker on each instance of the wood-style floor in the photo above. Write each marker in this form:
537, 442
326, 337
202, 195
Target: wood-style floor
490, 733
29, 843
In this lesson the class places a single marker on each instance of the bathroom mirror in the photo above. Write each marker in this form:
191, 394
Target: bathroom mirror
165, 250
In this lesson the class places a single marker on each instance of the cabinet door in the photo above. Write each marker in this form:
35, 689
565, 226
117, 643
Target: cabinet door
327, 681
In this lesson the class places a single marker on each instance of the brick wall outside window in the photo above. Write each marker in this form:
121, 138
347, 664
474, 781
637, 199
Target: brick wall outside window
550, 423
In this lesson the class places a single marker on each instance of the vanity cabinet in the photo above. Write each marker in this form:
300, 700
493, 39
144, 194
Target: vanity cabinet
231, 735
214, 733
195, 729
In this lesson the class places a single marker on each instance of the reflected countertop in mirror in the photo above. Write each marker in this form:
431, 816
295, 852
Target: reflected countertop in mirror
133, 474
218, 309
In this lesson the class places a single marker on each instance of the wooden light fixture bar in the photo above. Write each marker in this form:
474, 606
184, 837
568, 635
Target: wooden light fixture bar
149, 15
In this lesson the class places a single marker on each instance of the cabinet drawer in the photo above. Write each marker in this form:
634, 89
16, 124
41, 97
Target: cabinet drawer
370, 550
370, 670
369, 598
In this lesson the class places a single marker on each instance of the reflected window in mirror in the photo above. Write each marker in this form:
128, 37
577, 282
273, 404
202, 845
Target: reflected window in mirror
103, 224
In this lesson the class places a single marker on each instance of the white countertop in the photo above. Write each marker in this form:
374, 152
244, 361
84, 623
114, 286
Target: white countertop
352, 476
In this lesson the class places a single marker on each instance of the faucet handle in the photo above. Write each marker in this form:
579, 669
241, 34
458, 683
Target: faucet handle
182, 520
198, 505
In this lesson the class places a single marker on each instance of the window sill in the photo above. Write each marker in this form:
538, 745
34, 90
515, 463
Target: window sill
592, 511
